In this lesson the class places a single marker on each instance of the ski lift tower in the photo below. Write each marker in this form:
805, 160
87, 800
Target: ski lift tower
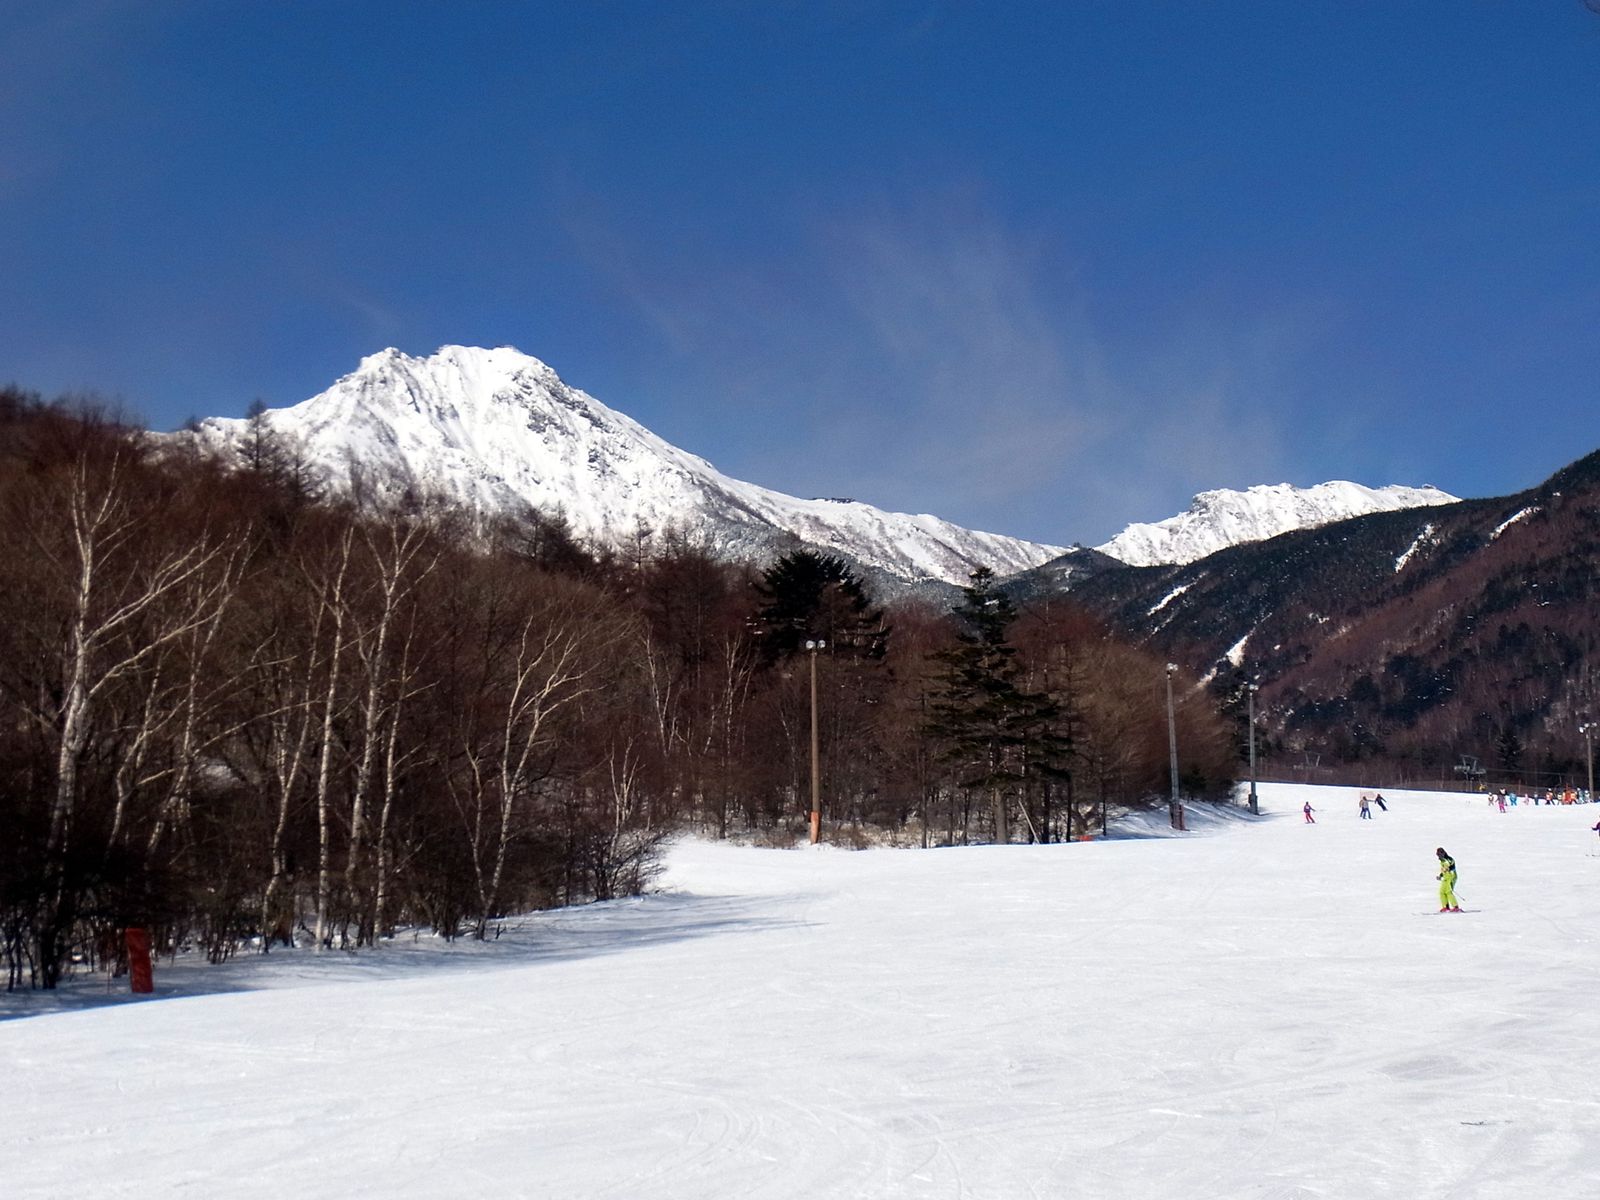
1469, 769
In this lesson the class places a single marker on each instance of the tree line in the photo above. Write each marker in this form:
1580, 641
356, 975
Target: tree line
243, 714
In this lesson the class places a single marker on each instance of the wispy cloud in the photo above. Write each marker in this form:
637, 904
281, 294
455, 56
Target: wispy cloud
377, 320
985, 382
932, 355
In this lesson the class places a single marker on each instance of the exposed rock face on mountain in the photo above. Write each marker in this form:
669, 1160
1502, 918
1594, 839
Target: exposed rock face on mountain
496, 430
1223, 518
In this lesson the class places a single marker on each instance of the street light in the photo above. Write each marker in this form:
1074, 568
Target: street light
812, 646
1588, 729
1176, 807
1250, 694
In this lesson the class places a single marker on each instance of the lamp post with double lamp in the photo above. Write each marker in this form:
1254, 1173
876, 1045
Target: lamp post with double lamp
1588, 729
1250, 695
1176, 806
812, 646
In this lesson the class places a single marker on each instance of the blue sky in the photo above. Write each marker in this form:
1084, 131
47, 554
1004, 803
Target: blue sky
1042, 269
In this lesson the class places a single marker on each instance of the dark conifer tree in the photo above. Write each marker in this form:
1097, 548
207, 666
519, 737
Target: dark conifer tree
804, 596
984, 720
1509, 748
278, 460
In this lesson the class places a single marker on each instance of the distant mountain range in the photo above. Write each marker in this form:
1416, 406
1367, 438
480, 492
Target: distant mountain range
1416, 635
496, 430
1394, 622
1219, 519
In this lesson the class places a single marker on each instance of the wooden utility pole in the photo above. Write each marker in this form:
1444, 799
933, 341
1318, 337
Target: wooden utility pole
1176, 812
816, 760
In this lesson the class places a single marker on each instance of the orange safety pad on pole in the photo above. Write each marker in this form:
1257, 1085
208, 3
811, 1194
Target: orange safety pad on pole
140, 977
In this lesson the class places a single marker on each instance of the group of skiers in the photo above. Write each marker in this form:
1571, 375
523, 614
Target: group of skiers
1448, 901
1447, 865
1508, 799
1366, 804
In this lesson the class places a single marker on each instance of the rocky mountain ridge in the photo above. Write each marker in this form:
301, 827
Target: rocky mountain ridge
1222, 518
496, 430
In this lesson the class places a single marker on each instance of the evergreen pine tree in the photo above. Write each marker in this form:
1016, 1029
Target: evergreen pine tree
1509, 747
805, 596
988, 726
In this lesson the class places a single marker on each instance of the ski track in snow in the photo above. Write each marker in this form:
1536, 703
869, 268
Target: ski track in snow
1247, 1011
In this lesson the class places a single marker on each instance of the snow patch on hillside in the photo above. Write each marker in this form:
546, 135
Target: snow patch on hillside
1521, 515
1169, 598
1423, 540
1235, 654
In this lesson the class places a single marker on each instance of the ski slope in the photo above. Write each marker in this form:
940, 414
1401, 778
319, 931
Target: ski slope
1257, 1009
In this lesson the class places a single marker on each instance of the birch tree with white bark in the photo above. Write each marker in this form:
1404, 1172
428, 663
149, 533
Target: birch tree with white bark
126, 595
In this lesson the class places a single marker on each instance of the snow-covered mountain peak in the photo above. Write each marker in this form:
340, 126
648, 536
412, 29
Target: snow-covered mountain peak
1224, 517
493, 385
496, 429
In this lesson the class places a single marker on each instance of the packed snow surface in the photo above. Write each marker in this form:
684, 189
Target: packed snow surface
1223, 518
1258, 1009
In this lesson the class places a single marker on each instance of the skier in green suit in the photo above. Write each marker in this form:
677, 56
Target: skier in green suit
1447, 882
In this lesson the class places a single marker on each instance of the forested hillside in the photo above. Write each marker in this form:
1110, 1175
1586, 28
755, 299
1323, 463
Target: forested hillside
243, 715
1411, 637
